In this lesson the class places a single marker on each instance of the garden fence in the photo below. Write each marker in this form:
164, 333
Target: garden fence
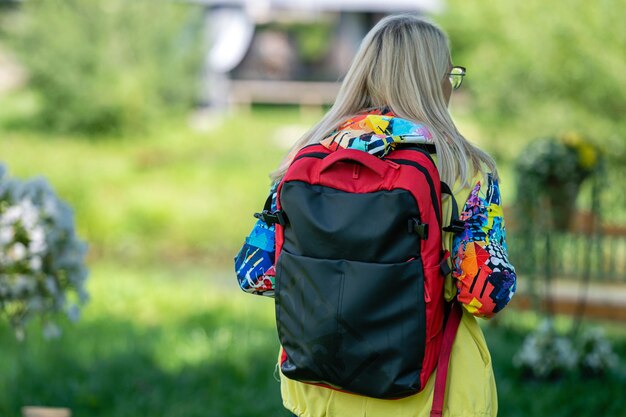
593, 247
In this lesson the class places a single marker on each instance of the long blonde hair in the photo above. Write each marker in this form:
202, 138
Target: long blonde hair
401, 63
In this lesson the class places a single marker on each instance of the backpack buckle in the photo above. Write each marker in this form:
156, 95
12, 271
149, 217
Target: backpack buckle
419, 228
272, 217
456, 226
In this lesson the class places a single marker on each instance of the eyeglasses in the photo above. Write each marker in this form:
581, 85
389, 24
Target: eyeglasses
456, 77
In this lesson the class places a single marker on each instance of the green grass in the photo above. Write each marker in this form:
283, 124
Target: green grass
184, 341
172, 194
152, 342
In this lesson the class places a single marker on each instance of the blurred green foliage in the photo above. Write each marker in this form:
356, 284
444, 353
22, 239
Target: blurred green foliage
172, 195
102, 66
538, 68
313, 40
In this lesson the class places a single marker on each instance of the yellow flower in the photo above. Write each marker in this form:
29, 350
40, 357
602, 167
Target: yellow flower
587, 156
572, 138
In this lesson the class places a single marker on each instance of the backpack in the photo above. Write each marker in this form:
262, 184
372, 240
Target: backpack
359, 278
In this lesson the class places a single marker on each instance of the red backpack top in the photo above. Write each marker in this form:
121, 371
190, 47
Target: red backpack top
359, 284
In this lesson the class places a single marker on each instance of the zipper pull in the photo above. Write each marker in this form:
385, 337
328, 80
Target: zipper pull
392, 164
356, 171
426, 295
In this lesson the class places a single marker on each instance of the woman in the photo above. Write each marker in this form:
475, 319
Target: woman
402, 76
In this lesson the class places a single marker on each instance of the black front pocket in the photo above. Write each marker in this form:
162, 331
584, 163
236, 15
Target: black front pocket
353, 325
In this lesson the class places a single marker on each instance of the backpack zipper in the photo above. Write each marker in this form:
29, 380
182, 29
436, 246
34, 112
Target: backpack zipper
431, 185
318, 155
392, 162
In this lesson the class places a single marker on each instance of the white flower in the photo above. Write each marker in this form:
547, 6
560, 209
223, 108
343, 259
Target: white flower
35, 263
597, 352
30, 214
11, 215
37, 237
545, 352
17, 252
565, 352
7, 233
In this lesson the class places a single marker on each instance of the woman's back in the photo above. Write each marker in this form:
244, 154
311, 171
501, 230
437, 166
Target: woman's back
403, 67
471, 389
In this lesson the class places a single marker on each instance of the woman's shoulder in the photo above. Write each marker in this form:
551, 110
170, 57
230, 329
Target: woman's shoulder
481, 181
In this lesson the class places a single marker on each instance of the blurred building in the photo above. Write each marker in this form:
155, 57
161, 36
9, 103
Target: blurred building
287, 51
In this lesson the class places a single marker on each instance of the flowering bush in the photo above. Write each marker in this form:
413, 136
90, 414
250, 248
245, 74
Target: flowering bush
596, 353
545, 354
41, 258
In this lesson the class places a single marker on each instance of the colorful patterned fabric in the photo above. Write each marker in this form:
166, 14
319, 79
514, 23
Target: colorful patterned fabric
254, 264
377, 132
486, 279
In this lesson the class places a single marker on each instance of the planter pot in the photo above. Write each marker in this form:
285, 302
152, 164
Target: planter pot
563, 203
45, 412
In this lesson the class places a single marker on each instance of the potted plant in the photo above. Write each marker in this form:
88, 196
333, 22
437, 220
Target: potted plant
550, 172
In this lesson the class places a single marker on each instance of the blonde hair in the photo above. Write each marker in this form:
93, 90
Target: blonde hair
401, 63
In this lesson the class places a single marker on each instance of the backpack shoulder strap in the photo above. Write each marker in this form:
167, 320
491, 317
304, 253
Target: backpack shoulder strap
456, 225
428, 147
441, 376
